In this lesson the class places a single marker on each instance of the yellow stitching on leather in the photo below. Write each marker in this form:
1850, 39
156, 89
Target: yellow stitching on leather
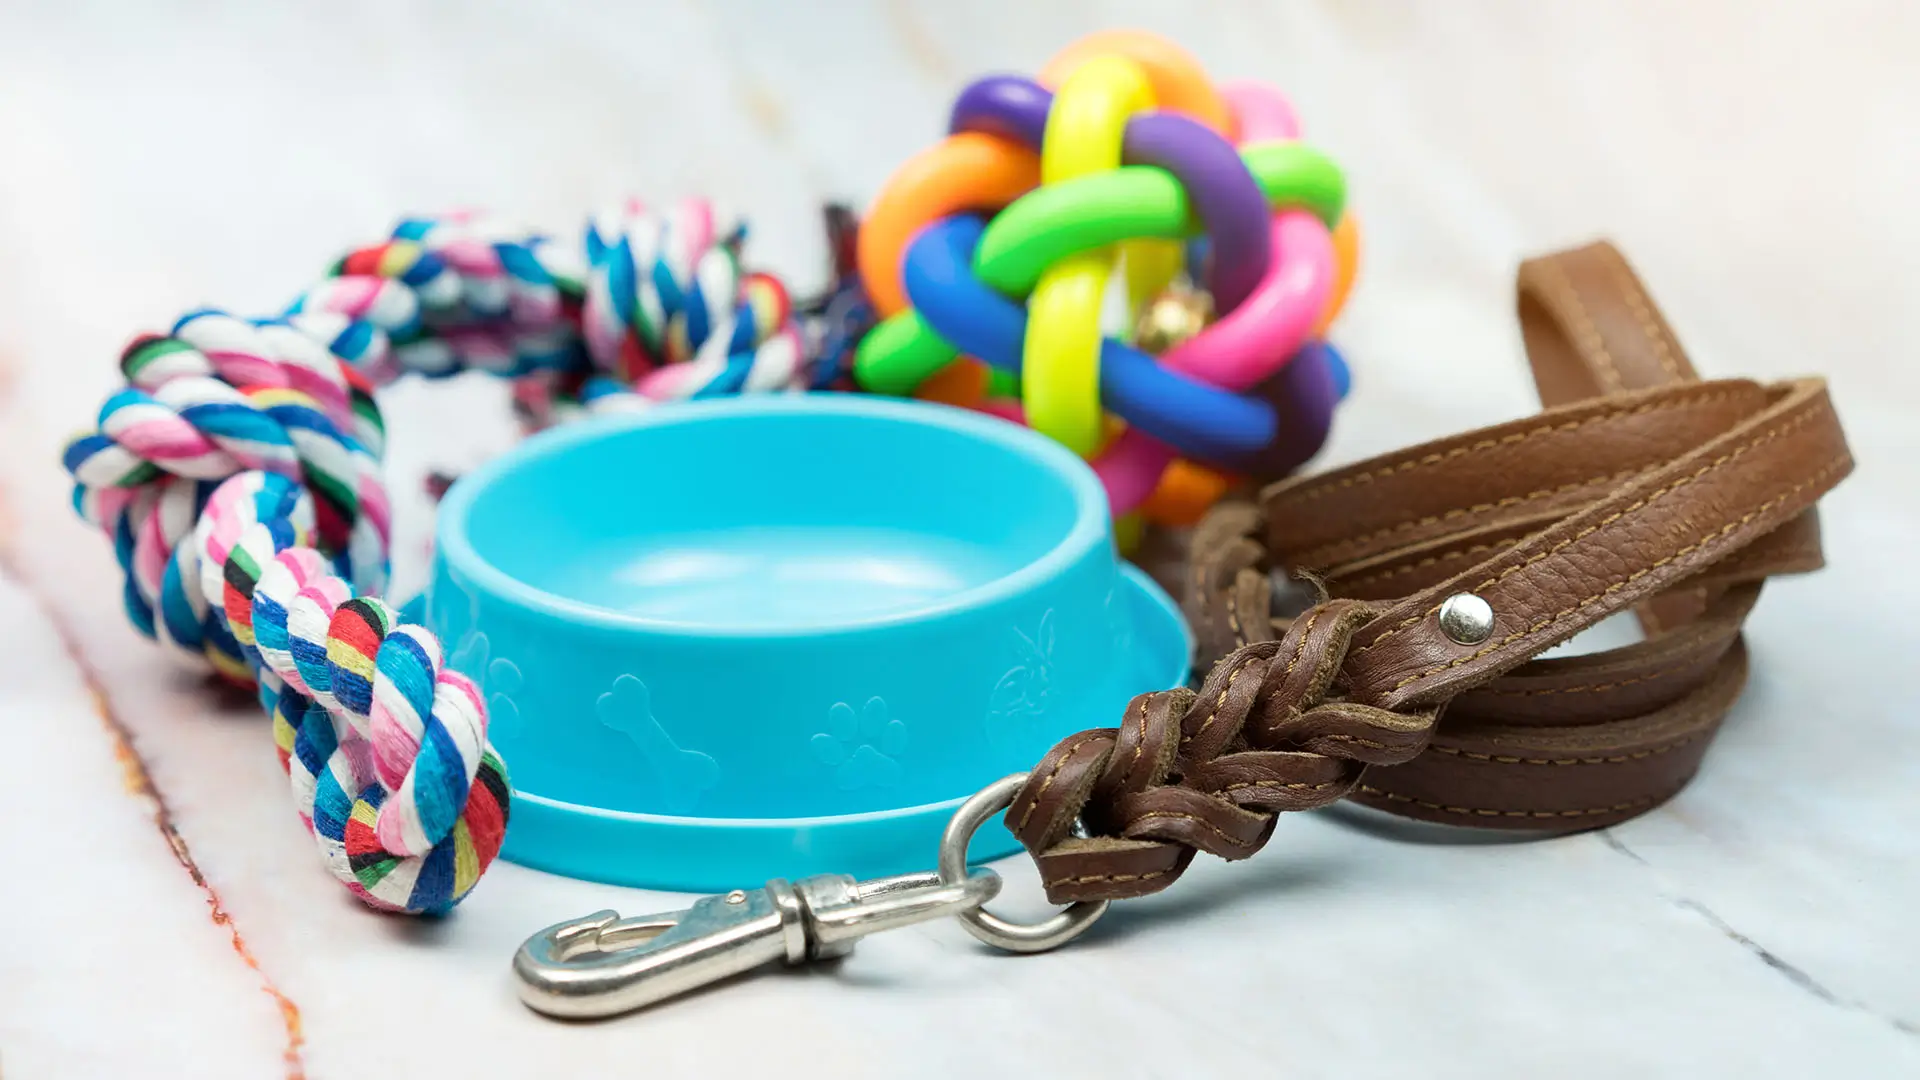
1801, 421
1612, 759
1141, 744
1399, 571
1301, 648
1643, 311
1538, 814
1058, 764
1214, 712
1101, 879
1635, 576
1290, 785
1326, 551
1563, 291
1677, 669
1697, 398
1169, 815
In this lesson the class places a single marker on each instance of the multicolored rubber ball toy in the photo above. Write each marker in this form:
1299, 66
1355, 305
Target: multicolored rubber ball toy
1126, 258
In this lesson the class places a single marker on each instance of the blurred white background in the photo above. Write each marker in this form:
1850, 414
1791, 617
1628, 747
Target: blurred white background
1758, 162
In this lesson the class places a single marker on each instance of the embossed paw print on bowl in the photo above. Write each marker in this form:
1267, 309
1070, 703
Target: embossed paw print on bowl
719, 662
864, 750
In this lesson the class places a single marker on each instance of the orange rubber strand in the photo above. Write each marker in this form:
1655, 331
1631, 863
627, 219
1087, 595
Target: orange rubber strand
1185, 492
968, 171
1346, 253
962, 383
1180, 84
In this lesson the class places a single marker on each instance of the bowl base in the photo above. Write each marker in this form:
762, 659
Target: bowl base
697, 854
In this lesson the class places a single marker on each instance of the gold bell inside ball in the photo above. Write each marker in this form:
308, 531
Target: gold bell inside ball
1176, 314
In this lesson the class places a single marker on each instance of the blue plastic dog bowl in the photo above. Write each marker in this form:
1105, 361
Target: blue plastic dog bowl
762, 636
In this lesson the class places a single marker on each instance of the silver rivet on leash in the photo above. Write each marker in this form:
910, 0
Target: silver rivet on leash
1466, 619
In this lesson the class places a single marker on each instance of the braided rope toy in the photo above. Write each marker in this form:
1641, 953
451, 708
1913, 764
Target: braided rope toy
1132, 151
666, 314
238, 475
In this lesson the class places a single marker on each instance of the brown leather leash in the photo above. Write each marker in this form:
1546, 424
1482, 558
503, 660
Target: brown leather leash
1415, 684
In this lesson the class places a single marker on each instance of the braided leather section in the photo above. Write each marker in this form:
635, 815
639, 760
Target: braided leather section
1208, 771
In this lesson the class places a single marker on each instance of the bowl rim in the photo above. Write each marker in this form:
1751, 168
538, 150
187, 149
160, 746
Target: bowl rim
1090, 528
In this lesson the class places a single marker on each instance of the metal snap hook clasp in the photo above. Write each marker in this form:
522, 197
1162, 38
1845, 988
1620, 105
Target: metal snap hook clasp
601, 965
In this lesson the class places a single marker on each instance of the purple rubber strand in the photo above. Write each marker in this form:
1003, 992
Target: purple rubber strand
1223, 192
1221, 188
1303, 394
1010, 106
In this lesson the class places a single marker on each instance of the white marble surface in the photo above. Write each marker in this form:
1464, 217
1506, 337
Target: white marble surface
161, 914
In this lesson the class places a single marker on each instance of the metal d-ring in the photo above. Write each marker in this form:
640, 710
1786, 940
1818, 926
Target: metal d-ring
1050, 933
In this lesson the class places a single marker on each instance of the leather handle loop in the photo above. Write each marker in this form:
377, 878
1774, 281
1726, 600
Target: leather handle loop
1591, 329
